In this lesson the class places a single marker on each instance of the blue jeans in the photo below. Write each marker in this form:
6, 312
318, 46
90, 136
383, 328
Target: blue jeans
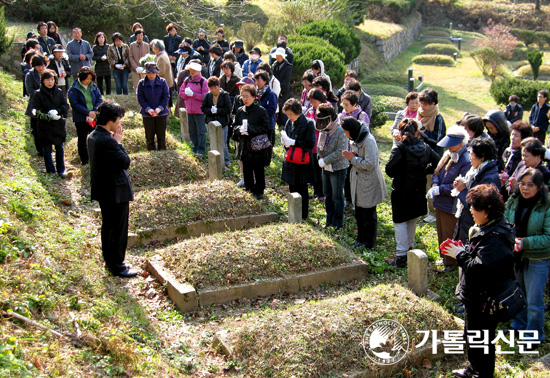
333, 189
121, 80
197, 132
59, 162
532, 279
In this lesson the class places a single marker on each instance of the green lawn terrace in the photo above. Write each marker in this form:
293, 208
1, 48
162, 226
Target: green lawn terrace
252, 256
325, 337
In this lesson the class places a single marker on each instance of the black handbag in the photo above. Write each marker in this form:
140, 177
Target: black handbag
260, 142
509, 303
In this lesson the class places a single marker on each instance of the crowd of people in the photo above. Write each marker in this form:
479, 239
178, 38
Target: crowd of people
480, 180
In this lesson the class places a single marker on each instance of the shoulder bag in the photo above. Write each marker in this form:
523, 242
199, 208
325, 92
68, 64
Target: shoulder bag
297, 155
509, 303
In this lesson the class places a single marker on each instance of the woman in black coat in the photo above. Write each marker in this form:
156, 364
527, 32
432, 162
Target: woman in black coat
410, 161
102, 66
51, 108
251, 121
299, 132
487, 263
216, 106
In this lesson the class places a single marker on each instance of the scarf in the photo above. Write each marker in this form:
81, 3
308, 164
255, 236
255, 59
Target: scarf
262, 91
325, 135
468, 180
447, 160
428, 117
409, 114
523, 212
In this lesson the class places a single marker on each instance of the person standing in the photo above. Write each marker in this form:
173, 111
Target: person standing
538, 118
299, 132
499, 131
133, 38
79, 52
216, 60
85, 99
51, 107
240, 54
163, 63
172, 42
251, 65
202, 46
46, 43
282, 70
153, 95
282, 44
61, 67
268, 100
514, 110
368, 188
102, 66
52, 32
111, 186
32, 82
221, 41
138, 49
118, 56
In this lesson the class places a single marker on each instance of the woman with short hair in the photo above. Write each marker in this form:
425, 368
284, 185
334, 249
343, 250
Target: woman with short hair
228, 81
153, 95
299, 132
410, 111
351, 108
118, 56
532, 156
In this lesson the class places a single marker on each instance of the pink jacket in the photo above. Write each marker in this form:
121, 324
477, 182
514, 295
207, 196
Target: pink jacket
200, 87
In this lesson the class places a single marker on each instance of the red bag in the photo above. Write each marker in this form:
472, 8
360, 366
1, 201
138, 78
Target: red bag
297, 155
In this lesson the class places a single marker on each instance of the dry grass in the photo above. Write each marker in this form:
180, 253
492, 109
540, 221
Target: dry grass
191, 203
324, 338
380, 29
241, 257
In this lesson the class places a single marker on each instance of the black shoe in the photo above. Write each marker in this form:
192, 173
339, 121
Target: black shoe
463, 373
126, 273
399, 262
258, 196
358, 245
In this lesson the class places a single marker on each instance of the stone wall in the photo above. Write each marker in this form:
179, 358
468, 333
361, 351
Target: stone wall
11, 62
399, 42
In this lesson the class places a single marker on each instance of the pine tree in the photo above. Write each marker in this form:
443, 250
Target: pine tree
5, 39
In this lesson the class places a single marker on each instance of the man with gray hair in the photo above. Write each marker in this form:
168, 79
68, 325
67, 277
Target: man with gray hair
79, 52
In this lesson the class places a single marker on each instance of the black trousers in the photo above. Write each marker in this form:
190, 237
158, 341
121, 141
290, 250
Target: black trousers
82, 131
540, 135
254, 176
318, 171
347, 186
99, 83
475, 319
114, 233
301, 189
367, 225
155, 126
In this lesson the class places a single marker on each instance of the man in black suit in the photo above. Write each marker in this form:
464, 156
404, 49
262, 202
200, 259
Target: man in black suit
111, 185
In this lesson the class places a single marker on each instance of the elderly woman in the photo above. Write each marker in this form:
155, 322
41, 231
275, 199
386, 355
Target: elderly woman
332, 141
32, 83
487, 263
512, 155
411, 111
118, 57
455, 162
368, 187
51, 108
483, 154
532, 156
252, 121
529, 210
153, 95
299, 133
162, 60
84, 98
192, 91
351, 108
228, 81
102, 66
316, 97
410, 161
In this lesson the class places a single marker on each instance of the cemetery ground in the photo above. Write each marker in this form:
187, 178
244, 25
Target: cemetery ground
52, 270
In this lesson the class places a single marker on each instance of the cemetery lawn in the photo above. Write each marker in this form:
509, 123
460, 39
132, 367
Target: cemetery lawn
241, 257
199, 201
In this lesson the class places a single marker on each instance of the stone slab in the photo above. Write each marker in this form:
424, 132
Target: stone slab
294, 207
200, 228
417, 271
215, 164
183, 295
184, 126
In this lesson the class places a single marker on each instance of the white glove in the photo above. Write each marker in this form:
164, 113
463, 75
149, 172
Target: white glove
119, 66
453, 250
243, 130
518, 246
150, 111
53, 113
139, 70
158, 110
322, 163
214, 109
104, 57
434, 191
56, 117
189, 92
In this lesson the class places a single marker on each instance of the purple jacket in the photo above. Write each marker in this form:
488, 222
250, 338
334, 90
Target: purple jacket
199, 86
444, 201
152, 95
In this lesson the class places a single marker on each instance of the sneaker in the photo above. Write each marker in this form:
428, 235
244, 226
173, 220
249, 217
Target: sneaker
463, 373
240, 183
399, 261
429, 219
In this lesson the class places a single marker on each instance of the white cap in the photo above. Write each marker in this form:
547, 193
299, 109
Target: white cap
194, 66
280, 51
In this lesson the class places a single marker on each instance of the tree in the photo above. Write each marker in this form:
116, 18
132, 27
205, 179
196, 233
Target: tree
5, 39
535, 60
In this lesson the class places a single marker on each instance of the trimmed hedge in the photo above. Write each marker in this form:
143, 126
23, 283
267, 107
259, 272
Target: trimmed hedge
379, 118
526, 36
526, 70
387, 78
306, 53
437, 40
519, 52
434, 60
526, 90
440, 49
437, 33
337, 33
390, 103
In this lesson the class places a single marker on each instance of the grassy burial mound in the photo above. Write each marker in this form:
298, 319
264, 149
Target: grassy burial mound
133, 142
246, 257
325, 338
196, 202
